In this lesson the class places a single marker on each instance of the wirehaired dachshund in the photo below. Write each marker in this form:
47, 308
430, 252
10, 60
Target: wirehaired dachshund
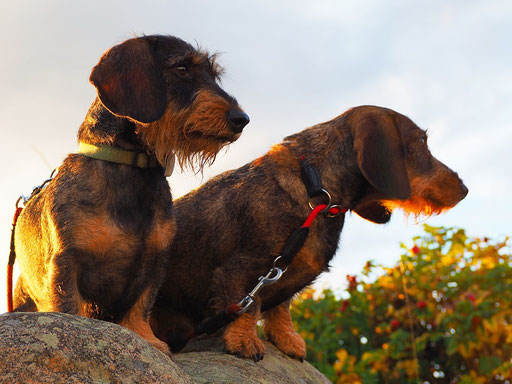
229, 231
96, 240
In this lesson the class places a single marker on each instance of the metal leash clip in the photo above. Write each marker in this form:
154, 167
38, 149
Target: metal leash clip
270, 278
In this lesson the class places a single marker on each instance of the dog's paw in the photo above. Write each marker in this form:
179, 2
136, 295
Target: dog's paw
161, 346
244, 345
290, 343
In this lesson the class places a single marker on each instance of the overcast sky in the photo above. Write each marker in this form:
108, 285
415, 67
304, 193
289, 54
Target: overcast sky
291, 64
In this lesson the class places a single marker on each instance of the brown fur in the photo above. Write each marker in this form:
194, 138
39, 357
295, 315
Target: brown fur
278, 328
205, 131
136, 320
230, 230
95, 242
240, 337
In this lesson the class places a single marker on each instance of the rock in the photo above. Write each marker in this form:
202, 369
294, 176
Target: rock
206, 361
61, 348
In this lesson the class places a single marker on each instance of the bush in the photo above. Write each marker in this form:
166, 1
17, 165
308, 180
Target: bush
442, 314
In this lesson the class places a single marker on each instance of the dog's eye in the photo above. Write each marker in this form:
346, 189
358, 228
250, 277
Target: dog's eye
182, 71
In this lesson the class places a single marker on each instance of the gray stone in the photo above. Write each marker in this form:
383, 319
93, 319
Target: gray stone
61, 348
206, 361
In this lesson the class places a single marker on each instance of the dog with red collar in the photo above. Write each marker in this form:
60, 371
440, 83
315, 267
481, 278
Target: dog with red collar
230, 231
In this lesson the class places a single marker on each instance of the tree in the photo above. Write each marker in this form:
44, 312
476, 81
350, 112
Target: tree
442, 314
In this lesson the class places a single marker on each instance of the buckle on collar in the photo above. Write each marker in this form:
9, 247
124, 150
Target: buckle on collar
135, 159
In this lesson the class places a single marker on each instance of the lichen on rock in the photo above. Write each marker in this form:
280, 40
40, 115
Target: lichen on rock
60, 348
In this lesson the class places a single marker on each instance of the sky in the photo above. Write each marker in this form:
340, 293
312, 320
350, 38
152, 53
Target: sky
291, 64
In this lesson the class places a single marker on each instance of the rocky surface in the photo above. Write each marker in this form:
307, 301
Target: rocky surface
60, 348
205, 360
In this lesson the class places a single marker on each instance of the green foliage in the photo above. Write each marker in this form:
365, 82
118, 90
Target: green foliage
442, 314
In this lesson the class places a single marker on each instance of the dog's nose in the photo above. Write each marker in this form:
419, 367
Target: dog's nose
464, 189
238, 119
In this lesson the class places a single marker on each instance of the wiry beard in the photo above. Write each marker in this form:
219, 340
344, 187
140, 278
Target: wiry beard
416, 205
194, 135
422, 203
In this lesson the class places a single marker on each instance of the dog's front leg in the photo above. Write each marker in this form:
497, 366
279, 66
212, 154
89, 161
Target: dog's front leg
137, 320
229, 286
62, 287
278, 329
22, 301
240, 337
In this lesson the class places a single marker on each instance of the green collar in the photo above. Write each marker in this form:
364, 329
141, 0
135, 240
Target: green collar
117, 155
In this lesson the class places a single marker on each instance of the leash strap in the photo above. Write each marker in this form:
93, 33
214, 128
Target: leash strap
298, 237
215, 323
207, 326
311, 178
294, 244
12, 259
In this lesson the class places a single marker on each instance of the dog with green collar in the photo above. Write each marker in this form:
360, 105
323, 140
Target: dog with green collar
95, 241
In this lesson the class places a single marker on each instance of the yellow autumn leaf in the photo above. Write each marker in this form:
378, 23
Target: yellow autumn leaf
351, 378
464, 350
509, 334
410, 367
342, 355
344, 362
366, 356
475, 378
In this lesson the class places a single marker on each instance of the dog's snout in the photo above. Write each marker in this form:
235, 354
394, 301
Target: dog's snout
238, 119
464, 189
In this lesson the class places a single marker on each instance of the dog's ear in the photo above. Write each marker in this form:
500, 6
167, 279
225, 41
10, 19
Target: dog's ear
373, 211
381, 153
130, 83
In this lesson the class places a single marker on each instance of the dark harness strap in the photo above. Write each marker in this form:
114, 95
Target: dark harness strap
311, 178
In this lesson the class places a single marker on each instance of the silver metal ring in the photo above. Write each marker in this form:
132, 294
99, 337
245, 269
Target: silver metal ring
275, 262
328, 204
332, 215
